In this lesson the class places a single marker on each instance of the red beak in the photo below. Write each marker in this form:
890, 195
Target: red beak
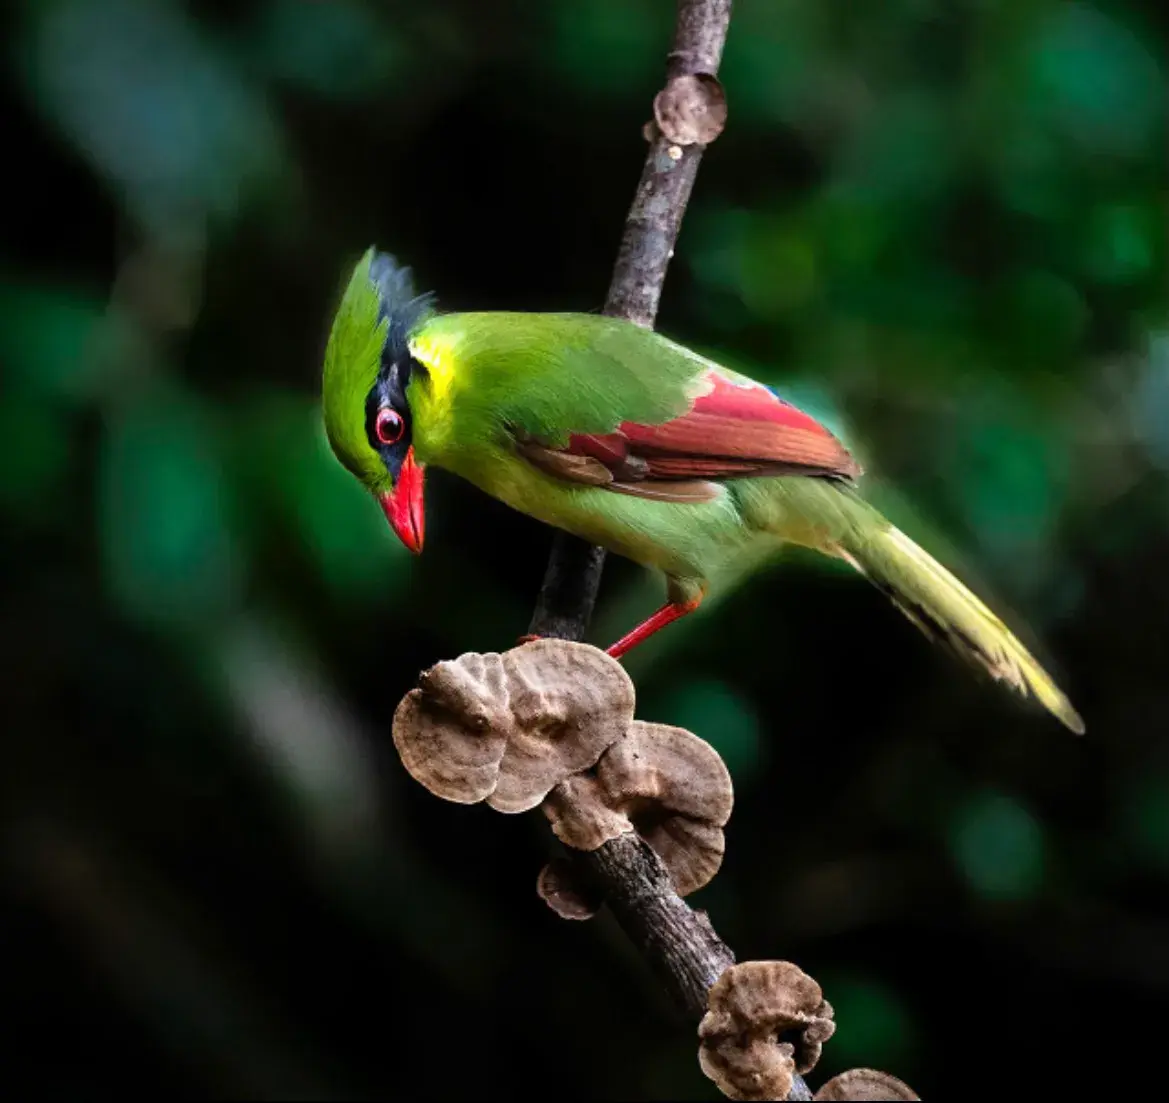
403, 505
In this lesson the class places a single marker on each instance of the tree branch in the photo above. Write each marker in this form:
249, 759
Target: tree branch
573, 575
679, 944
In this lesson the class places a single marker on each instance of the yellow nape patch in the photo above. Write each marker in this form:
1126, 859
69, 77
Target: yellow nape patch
436, 353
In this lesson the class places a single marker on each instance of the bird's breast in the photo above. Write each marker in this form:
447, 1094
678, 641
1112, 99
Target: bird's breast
682, 539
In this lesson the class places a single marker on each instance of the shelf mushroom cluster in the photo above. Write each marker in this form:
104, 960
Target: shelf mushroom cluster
551, 724
750, 1007
766, 1021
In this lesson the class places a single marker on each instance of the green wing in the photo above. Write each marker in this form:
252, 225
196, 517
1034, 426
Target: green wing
549, 375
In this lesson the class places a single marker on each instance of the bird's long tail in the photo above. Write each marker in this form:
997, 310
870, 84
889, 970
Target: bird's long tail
945, 610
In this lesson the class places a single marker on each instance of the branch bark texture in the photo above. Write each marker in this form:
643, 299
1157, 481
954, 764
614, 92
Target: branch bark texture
679, 944
573, 576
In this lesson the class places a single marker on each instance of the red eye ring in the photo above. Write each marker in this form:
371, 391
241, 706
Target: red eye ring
389, 426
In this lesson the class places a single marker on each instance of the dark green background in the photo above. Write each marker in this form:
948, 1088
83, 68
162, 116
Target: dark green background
938, 225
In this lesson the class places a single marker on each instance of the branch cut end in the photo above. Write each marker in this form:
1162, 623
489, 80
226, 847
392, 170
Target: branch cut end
691, 109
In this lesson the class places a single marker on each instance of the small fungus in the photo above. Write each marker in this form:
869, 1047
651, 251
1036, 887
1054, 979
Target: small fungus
691, 109
865, 1084
662, 782
560, 891
678, 793
507, 728
581, 813
750, 1007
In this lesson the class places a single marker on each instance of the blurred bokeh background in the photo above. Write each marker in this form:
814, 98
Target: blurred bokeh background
939, 225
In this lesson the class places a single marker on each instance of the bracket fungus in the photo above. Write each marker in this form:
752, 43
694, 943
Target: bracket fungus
865, 1084
765, 1021
558, 889
662, 782
507, 728
583, 814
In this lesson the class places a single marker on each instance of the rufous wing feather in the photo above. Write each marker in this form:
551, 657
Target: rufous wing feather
736, 429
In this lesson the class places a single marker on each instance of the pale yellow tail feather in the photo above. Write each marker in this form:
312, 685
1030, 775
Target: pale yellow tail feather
944, 609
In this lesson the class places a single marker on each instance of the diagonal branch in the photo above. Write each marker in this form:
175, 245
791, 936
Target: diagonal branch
573, 576
679, 943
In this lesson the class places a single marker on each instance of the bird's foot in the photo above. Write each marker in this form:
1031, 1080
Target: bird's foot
667, 614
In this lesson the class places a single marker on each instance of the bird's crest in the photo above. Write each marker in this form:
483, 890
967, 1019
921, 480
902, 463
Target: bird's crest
402, 309
378, 312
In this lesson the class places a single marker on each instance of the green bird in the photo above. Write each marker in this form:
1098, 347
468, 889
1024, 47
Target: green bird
628, 440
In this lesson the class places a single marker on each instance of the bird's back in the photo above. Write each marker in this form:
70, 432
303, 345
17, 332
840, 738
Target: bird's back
549, 375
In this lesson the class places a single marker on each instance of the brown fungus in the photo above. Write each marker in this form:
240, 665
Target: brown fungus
581, 813
865, 1084
507, 728
750, 1007
560, 890
678, 793
663, 782
691, 109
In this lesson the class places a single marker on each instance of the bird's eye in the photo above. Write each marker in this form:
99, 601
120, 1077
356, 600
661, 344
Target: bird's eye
389, 426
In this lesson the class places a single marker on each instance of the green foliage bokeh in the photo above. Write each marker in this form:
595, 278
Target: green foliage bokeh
938, 226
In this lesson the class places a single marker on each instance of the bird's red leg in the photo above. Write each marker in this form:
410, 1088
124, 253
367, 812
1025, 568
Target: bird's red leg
667, 614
